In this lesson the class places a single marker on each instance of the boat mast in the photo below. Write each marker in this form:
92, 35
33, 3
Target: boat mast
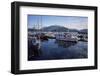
39, 27
41, 24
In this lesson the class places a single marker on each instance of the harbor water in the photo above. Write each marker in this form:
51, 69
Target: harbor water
52, 49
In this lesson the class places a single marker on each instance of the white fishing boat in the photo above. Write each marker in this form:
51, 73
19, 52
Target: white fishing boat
68, 36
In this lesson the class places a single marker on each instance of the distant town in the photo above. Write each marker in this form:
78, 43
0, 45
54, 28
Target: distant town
56, 31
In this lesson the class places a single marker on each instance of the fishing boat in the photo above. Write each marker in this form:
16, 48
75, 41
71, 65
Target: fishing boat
68, 36
34, 41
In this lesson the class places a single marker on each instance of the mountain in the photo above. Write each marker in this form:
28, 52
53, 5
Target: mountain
83, 31
73, 30
55, 28
32, 29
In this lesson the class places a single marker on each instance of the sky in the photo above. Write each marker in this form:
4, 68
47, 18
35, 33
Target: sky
71, 22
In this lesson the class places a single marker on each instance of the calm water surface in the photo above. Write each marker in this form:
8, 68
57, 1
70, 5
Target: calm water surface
53, 49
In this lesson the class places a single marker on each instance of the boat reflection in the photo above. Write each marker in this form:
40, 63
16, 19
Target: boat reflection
65, 44
56, 49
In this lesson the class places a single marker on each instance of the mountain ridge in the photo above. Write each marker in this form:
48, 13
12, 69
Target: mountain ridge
57, 28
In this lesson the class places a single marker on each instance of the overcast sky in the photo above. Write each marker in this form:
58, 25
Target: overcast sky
72, 22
